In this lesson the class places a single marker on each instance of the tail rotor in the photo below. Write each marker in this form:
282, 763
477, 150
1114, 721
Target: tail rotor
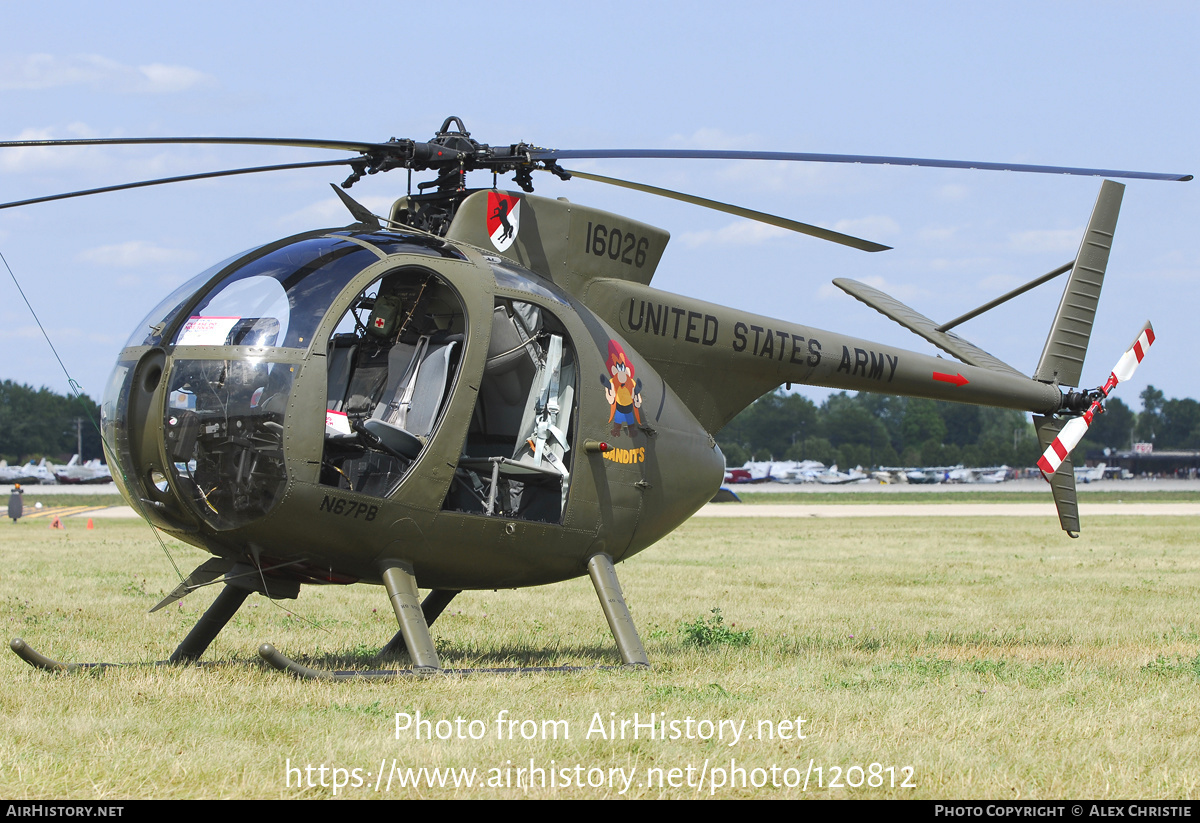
1077, 427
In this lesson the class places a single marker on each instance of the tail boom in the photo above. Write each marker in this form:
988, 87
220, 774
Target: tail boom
719, 360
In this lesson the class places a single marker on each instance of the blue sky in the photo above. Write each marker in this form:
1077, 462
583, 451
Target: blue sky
1087, 84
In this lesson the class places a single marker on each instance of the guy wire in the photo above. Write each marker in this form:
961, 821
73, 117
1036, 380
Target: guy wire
76, 389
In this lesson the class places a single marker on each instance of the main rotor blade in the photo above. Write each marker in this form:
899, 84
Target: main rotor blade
563, 154
183, 178
304, 143
762, 217
704, 154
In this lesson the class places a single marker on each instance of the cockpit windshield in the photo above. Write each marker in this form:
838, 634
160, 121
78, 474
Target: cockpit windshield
150, 331
277, 299
227, 409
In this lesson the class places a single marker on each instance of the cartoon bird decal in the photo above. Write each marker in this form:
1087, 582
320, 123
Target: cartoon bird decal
623, 392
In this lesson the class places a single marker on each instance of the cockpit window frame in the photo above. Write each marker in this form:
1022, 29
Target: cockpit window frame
403, 265
175, 310
336, 261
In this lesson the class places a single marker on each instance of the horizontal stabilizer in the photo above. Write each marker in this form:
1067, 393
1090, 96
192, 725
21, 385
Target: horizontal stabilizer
206, 572
1062, 358
921, 325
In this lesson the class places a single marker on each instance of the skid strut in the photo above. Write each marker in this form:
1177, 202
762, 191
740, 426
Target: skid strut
414, 620
620, 621
209, 626
402, 592
431, 607
193, 646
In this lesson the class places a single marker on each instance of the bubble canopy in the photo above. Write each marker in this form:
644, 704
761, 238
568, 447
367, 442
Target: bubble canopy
223, 414
279, 298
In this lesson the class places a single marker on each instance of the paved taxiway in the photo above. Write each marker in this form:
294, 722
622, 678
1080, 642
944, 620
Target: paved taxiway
943, 510
862, 507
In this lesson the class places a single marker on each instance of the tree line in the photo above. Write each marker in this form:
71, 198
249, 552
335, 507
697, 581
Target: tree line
882, 430
850, 430
37, 423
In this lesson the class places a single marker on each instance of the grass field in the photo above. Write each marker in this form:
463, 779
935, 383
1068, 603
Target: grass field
987, 659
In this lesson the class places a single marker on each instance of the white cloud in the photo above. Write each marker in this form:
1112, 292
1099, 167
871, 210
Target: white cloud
715, 139
32, 159
938, 234
1178, 257
774, 175
61, 335
740, 233
163, 78
953, 192
1039, 240
963, 266
868, 227
1174, 275
751, 232
102, 339
134, 253
999, 283
36, 72
21, 333
332, 212
94, 166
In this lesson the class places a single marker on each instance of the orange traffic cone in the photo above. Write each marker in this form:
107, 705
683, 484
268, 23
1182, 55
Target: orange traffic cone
90, 526
56, 524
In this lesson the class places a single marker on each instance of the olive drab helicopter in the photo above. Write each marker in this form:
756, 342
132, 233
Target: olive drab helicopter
482, 390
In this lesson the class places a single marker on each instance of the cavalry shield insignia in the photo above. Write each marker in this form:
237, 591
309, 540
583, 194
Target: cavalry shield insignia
503, 219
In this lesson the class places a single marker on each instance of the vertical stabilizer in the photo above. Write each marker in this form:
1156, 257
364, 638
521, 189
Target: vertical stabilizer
1062, 358
1062, 482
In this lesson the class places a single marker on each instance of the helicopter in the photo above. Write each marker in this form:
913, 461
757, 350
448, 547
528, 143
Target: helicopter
482, 390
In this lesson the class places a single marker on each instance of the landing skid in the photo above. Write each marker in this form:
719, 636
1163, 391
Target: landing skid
414, 618
285, 664
48, 664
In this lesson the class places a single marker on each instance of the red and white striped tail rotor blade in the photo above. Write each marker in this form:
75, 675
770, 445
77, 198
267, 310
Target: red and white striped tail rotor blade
1067, 440
1129, 361
1077, 427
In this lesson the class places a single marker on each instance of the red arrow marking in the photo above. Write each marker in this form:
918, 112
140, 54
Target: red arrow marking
956, 379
